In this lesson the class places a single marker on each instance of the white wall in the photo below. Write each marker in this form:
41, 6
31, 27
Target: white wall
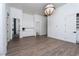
34, 23
40, 24
28, 24
62, 23
3, 38
28, 21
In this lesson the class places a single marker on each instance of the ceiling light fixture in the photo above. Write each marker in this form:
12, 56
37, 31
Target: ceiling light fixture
49, 9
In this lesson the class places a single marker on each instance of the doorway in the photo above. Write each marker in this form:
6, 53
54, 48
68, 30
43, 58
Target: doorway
16, 28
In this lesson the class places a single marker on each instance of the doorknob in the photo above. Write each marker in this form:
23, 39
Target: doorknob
74, 32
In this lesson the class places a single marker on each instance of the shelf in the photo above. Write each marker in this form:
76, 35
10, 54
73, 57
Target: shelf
77, 21
77, 27
77, 24
77, 18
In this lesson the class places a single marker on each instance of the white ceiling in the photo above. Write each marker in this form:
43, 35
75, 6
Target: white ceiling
33, 8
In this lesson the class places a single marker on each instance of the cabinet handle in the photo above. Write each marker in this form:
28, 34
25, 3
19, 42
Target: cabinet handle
74, 32
12, 29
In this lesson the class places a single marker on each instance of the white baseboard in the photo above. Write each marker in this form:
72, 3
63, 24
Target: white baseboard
62, 39
3, 54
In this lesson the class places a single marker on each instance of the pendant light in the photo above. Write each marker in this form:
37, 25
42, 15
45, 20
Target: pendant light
49, 9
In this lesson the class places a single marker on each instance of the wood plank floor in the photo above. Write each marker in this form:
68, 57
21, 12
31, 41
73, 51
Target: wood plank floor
41, 46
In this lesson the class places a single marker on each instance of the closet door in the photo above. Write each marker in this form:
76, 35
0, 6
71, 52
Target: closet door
70, 28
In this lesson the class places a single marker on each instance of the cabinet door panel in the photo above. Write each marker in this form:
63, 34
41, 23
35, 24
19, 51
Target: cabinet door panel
70, 28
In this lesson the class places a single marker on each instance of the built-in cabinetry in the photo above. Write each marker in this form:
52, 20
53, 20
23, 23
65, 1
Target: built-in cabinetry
77, 28
77, 21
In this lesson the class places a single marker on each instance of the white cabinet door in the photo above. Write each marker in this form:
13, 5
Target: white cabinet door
77, 37
28, 32
70, 28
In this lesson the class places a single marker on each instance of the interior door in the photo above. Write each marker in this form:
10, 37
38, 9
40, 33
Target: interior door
18, 26
15, 27
70, 28
38, 28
